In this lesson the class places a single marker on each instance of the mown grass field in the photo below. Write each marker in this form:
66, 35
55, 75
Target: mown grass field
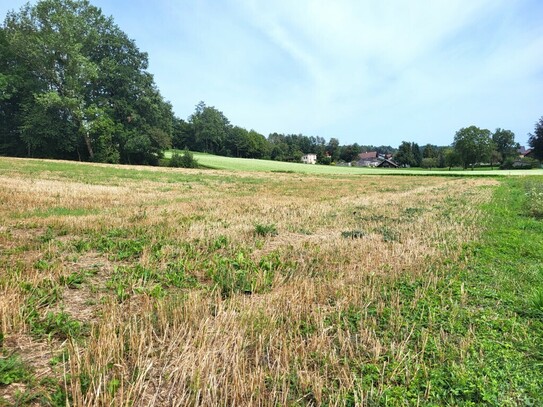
157, 286
244, 164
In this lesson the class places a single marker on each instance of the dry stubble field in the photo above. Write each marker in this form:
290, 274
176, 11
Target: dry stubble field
124, 286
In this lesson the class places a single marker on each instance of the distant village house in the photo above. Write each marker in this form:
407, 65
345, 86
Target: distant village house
524, 152
368, 159
387, 163
374, 159
309, 158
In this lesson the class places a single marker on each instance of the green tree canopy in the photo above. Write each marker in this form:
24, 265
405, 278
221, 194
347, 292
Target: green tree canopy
182, 134
90, 97
504, 144
417, 153
430, 151
451, 157
350, 152
16, 89
429, 162
333, 148
408, 155
473, 145
211, 128
249, 144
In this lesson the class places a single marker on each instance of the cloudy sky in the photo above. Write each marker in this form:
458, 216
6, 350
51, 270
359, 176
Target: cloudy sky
365, 71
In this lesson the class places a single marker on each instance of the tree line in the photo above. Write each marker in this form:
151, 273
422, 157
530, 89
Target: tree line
74, 86
471, 146
209, 130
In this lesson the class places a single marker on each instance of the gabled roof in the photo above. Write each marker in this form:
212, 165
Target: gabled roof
389, 162
368, 155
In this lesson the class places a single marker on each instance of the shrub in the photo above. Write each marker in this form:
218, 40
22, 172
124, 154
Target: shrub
324, 160
163, 162
429, 163
184, 160
524, 163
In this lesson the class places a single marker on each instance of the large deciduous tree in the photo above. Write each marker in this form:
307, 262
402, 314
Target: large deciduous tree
350, 152
473, 145
408, 155
333, 148
211, 128
430, 151
248, 144
91, 97
451, 157
536, 140
182, 135
16, 88
504, 144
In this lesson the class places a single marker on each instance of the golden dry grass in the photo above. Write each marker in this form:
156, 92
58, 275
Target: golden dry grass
303, 338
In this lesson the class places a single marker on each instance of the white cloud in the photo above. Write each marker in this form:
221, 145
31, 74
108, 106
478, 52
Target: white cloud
362, 57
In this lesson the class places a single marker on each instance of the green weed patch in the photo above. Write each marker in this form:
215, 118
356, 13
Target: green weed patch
13, 370
241, 274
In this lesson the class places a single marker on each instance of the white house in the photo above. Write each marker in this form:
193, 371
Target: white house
309, 159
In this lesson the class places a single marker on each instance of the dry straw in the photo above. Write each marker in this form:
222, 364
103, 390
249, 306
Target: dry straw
303, 338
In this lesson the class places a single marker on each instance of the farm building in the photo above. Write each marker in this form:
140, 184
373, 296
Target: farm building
386, 163
309, 158
368, 159
374, 159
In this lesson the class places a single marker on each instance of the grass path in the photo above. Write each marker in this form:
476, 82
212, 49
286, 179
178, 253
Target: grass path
491, 309
504, 287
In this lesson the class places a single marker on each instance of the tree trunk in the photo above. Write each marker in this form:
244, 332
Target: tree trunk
89, 147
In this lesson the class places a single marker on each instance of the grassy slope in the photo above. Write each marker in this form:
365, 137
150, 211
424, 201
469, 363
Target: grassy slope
244, 164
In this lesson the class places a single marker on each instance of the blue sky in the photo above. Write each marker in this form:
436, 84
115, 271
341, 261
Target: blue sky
365, 71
